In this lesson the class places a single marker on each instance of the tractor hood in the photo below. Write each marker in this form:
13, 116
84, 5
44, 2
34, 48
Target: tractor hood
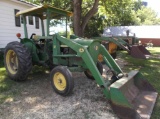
93, 46
85, 42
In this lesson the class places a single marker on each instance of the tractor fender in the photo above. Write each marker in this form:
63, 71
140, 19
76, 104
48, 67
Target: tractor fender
32, 48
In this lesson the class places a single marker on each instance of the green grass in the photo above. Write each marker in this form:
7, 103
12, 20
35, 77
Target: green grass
150, 68
10, 89
5, 86
6, 91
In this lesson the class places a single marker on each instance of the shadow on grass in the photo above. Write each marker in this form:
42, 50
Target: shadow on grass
10, 89
5, 83
5, 86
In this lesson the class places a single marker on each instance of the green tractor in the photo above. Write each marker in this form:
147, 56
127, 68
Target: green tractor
130, 95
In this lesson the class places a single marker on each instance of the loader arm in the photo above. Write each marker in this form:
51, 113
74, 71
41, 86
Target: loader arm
118, 41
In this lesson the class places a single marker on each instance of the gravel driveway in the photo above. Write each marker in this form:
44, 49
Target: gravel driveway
36, 100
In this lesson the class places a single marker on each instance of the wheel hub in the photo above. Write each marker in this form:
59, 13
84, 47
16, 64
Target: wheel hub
59, 81
12, 61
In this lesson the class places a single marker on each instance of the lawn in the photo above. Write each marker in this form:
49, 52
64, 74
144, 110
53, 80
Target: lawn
5, 86
150, 68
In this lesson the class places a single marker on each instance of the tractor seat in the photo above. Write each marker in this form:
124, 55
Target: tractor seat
32, 36
38, 42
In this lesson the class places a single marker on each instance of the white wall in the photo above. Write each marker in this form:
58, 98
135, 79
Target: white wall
8, 30
140, 31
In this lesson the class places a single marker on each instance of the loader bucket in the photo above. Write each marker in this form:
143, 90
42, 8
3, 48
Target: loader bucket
139, 51
133, 97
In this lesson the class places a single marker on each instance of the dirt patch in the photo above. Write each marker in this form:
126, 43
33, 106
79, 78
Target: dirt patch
37, 100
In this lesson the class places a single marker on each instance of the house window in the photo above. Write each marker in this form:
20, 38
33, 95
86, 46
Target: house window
17, 19
30, 19
37, 22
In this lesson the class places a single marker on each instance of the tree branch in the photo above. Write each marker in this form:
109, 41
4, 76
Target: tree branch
90, 13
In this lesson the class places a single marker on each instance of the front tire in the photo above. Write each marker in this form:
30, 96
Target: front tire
61, 80
17, 60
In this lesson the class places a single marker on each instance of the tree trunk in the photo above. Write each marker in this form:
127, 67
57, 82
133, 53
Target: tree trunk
77, 10
90, 13
79, 22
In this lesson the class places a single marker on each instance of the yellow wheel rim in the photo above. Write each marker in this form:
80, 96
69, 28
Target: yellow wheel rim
12, 62
59, 81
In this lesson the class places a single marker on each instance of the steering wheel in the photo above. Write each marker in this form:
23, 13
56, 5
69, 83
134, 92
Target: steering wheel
32, 35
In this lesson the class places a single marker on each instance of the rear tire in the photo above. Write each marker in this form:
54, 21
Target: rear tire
17, 60
61, 80
88, 73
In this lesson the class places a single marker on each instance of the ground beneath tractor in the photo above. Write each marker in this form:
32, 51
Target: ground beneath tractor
36, 100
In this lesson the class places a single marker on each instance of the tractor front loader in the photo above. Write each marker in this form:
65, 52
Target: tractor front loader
130, 95
135, 50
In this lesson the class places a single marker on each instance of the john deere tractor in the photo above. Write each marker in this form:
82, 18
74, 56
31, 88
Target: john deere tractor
130, 95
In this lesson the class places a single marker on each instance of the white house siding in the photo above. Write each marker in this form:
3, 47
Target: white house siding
8, 29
